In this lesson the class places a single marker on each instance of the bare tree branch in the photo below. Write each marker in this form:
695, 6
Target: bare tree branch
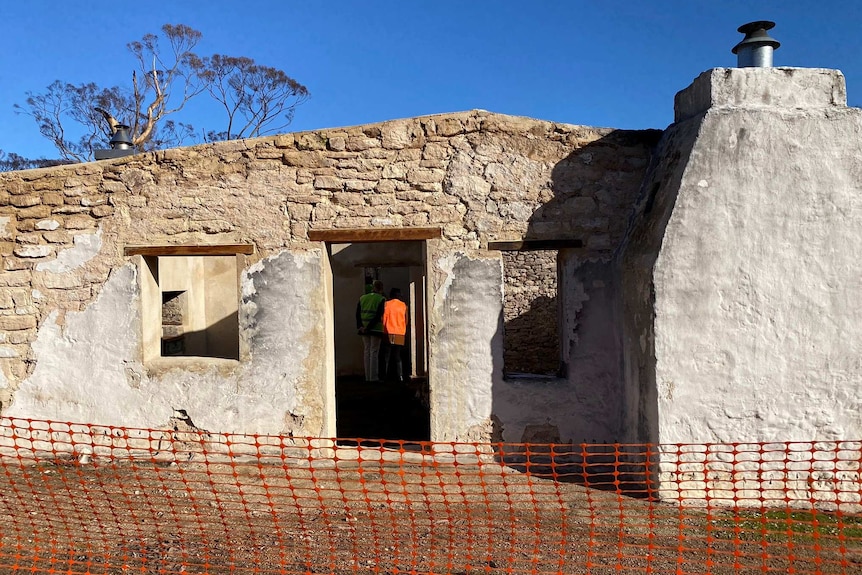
168, 74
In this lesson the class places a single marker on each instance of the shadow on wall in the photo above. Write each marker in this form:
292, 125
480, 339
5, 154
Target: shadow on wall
606, 396
219, 340
531, 340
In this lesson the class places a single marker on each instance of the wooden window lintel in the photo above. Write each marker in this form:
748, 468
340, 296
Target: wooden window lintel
190, 250
532, 245
359, 235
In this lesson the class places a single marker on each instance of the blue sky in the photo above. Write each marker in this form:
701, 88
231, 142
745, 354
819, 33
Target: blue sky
611, 63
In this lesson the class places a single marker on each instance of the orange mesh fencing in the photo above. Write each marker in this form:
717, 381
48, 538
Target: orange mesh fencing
78, 498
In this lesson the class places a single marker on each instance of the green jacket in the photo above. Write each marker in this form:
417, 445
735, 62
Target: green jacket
369, 312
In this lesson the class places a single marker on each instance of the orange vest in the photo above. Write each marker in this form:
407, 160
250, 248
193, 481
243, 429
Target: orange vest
395, 317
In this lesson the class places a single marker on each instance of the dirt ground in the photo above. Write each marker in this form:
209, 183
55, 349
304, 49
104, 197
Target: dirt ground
377, 517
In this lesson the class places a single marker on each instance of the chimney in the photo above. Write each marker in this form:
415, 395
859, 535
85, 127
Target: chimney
755, 50
121, 145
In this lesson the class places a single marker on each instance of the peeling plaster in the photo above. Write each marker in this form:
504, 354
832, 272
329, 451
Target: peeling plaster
89, 368
467, 350
86, 247
77, 375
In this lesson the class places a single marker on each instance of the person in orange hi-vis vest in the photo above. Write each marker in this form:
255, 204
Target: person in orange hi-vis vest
395, 330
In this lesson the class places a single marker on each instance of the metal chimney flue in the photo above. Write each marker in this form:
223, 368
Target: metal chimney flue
121, 139
121, 144
755, 50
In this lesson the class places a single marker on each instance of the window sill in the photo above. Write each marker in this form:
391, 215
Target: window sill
193, 364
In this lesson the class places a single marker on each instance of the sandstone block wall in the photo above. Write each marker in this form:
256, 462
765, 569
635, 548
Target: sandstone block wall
478, 176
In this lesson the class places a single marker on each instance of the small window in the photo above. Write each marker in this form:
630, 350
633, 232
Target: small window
190, 303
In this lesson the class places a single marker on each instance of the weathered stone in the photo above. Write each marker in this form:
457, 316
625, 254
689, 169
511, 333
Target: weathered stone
299, 230
385, 187
102, 211
379, 199
13, 264
52, 280
211, 226
395, 171
328, 183
397, 135
301, 212
29, 237
365, 172
305, 160
407, 155
78, 222
425, 176
348, 198
110, 187
21, 336
429, 187
57, 237
449, 127
41, 211
52, 199
359, 144
415, 219
25, 201
359, 185
283, 141
440, 164
268, 153
39, 251
384, 176
70, 210
8, 227
310, 141
337, 143
17, 322
93, 200
15, 278
47, 225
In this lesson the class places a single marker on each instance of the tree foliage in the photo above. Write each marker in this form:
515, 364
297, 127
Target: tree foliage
78, 118
257, 99
11, 162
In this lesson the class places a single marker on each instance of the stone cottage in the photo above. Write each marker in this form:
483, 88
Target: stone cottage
566, 283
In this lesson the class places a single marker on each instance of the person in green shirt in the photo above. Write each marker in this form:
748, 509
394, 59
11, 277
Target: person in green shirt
369, 324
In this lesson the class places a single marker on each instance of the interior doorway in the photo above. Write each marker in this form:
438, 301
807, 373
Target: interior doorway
389, 409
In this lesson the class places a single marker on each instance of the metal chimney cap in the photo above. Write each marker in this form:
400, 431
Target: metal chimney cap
121, 139
756, 35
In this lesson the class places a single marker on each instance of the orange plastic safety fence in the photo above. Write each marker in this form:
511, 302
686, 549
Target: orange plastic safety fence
78, 498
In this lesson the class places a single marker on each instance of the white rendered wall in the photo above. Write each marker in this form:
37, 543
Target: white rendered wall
758, 327
90, 366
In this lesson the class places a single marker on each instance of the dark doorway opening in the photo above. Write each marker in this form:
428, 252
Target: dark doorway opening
389, 409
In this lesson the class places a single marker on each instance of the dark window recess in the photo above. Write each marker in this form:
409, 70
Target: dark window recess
174, 310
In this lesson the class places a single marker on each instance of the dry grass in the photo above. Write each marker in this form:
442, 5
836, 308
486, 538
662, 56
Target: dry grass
381, 517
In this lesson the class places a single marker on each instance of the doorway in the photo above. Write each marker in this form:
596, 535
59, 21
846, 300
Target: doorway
390, 409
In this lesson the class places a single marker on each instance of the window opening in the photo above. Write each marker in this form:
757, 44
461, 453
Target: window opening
190, 306
531, 314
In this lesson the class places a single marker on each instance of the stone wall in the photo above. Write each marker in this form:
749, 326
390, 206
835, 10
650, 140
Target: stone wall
477, 176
